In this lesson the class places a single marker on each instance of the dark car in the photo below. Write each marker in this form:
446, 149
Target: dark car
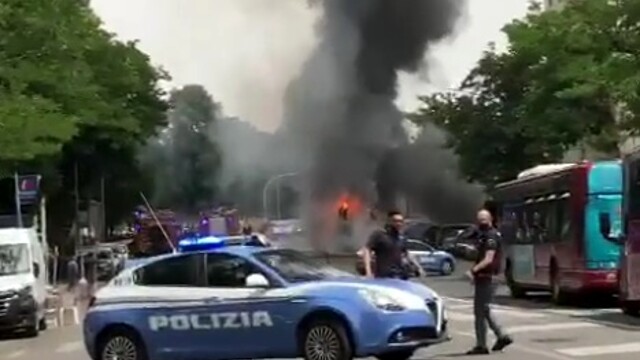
423, 230
454, 238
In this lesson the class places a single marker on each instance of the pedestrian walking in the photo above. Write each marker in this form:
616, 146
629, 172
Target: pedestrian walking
487, 264
72, 274
392, 260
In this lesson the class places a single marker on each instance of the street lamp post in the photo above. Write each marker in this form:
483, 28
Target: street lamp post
266, 188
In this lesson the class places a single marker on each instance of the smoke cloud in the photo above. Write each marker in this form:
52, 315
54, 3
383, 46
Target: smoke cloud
340, 113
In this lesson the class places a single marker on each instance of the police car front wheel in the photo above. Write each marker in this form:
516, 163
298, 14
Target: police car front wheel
326, 340
121, 344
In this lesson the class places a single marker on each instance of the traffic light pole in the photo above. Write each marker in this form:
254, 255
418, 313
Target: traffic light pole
265, 189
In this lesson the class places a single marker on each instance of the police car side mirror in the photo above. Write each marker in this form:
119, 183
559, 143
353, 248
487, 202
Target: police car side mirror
257, 281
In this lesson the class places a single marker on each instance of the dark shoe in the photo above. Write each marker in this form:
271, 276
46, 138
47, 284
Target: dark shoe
502, 343
478, 350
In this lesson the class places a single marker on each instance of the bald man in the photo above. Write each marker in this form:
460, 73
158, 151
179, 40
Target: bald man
485, 267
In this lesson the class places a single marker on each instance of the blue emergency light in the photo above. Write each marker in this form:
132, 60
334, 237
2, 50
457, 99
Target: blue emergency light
200, 243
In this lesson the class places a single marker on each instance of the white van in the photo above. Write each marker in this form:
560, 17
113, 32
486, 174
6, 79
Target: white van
22, 281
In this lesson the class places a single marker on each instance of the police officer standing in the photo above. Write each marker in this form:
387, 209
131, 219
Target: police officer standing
392, 259
487, 265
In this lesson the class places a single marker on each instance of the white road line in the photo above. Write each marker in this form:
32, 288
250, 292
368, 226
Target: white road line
458, 300
518, 313
457, 316
459, 307
525, 349
552, 327
70, 347
584, 312
601, 350
15, 354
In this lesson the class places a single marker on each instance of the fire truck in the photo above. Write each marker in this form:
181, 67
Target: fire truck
154, 236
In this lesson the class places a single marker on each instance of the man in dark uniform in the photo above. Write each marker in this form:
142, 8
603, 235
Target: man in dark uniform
487, 264
391, 255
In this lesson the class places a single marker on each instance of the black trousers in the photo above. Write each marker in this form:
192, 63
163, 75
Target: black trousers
484, 289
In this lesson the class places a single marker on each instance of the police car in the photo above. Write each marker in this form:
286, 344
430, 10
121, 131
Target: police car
245, 302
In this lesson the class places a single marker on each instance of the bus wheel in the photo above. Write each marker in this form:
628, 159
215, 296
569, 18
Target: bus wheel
516, 291
558, 296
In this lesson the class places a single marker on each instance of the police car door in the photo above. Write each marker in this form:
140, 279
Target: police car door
173, 291
246, 322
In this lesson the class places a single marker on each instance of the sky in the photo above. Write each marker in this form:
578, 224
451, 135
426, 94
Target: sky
245, 52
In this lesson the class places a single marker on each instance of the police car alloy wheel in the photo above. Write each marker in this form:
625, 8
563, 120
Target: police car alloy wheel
326, 340
121, 345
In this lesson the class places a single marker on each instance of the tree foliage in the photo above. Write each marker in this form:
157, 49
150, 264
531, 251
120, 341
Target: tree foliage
73, 96
566, 77
185, 158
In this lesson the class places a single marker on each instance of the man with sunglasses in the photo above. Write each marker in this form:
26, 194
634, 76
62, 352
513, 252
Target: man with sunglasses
392, 259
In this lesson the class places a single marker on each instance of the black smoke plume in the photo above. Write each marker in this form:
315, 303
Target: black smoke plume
341, 113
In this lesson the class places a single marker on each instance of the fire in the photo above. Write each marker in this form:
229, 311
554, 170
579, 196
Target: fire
349, 204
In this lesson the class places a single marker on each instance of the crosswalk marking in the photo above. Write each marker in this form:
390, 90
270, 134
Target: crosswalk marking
552, 327
582, 312
69, 347
601, 350
15, 354
518, 313
461, 316
457, 316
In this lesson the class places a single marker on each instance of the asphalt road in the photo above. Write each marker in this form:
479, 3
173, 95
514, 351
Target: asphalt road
541, 331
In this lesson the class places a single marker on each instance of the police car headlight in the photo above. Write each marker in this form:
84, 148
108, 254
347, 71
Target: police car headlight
381, 300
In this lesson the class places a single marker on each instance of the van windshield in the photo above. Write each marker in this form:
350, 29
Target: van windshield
14, 259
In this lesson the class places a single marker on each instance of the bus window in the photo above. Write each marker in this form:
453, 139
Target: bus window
562, 223
538, 223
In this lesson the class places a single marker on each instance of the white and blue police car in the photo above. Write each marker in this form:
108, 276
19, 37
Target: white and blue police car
244, 302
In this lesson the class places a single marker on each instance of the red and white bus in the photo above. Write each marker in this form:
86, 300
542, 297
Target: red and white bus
550, 221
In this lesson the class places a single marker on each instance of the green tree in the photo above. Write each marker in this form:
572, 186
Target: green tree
585, 69
185, 158
566, 77
71, 94
487, 126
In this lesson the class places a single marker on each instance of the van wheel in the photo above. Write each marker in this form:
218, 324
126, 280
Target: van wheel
42, 324
122, 344
33, 330
326, 339
396, 355
516, 291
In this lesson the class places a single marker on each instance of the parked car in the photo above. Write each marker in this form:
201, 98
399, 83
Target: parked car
430, 259
423, 230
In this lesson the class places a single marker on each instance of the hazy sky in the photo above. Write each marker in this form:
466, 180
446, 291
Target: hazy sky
245, 52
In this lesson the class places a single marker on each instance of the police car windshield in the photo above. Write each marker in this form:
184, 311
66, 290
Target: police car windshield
294, 266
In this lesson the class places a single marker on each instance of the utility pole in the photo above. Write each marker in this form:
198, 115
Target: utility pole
16, 181
104, 208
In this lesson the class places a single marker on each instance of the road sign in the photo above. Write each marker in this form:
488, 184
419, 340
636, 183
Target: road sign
29, 188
